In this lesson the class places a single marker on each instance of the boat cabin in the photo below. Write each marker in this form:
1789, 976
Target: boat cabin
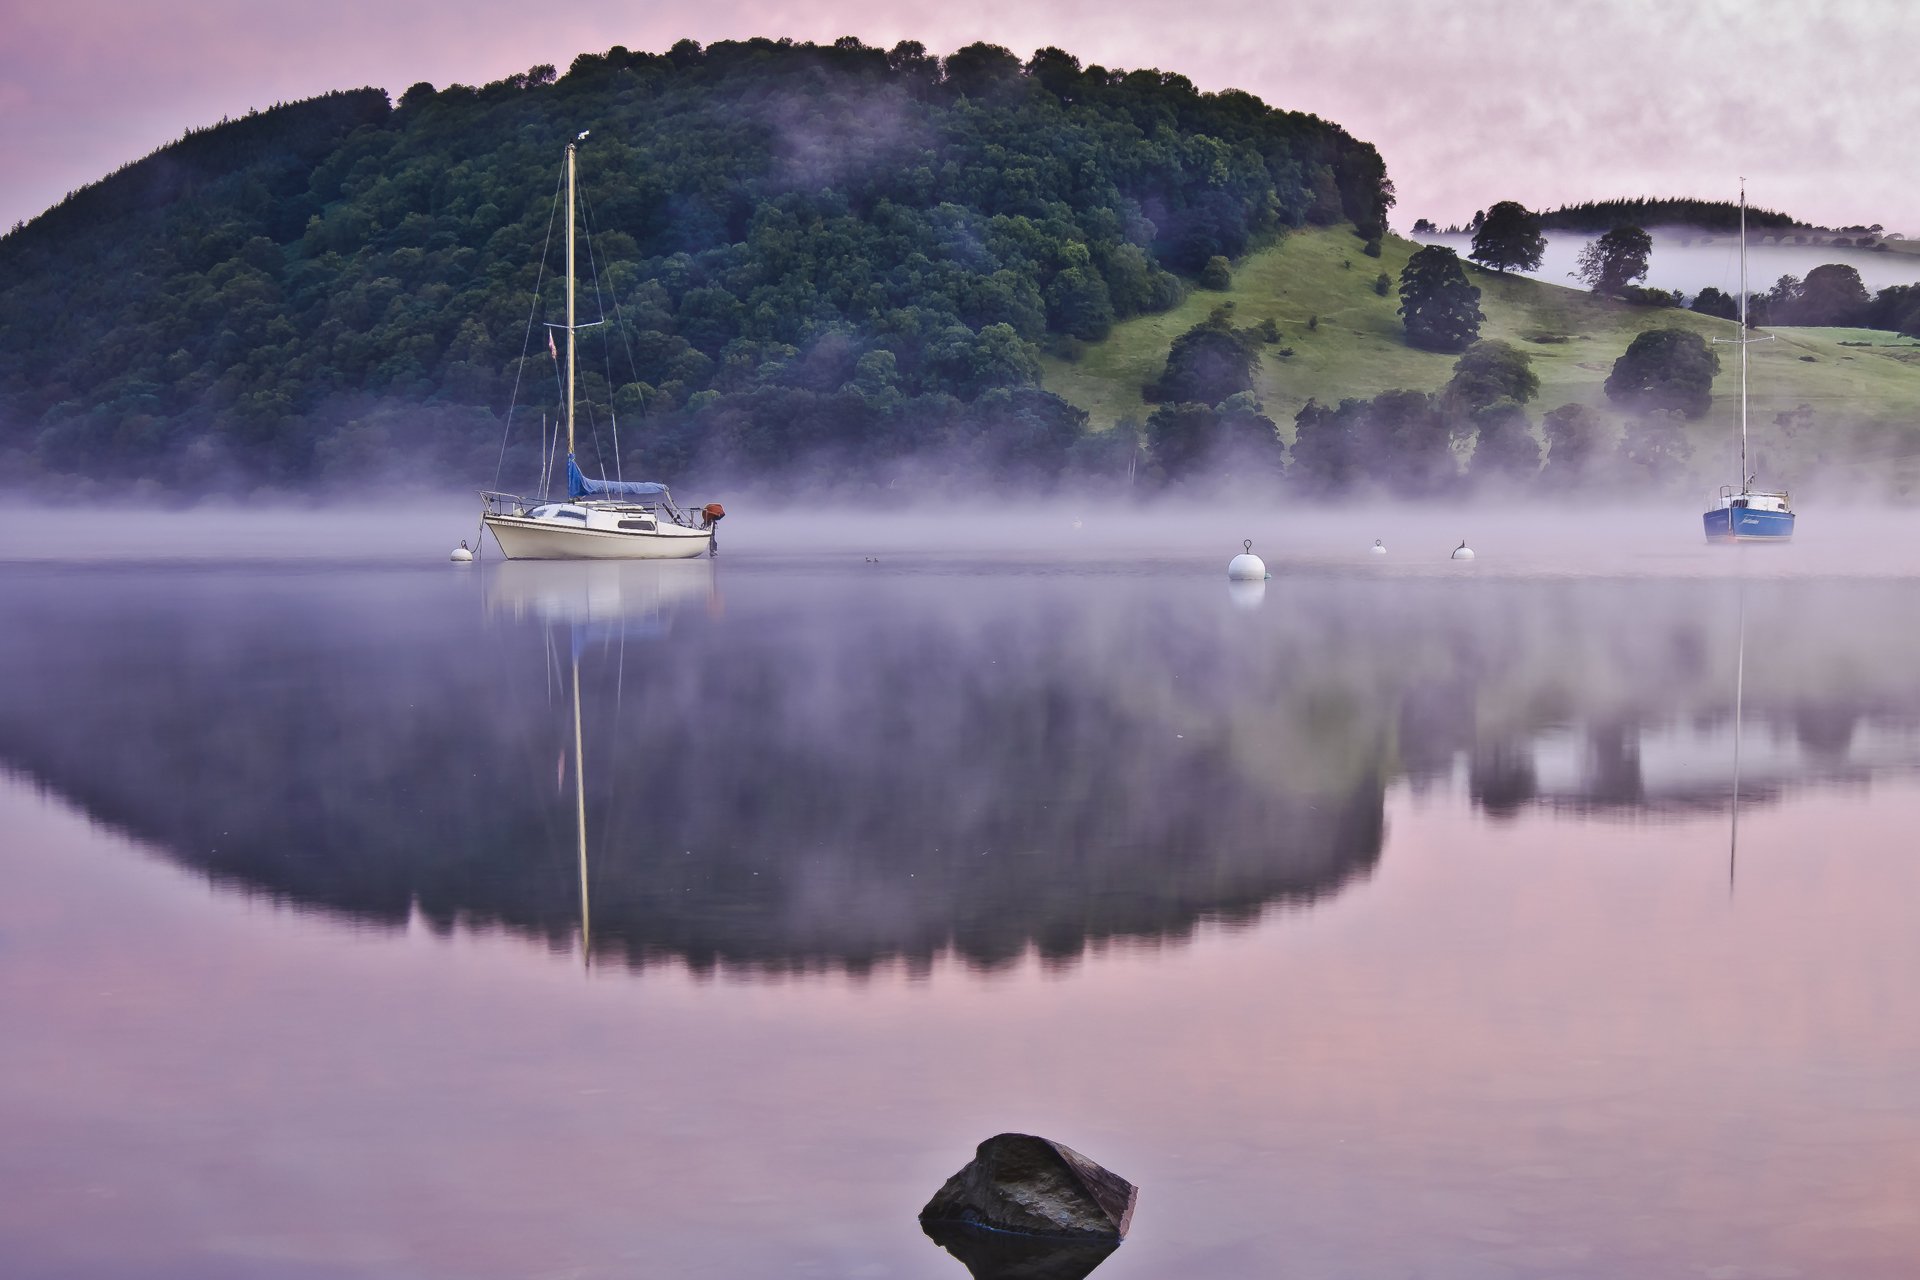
608, 516
1756, 500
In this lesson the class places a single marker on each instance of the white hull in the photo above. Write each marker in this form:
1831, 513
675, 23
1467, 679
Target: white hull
521, 538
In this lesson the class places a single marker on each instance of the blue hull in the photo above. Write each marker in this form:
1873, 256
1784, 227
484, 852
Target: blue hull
1743, 524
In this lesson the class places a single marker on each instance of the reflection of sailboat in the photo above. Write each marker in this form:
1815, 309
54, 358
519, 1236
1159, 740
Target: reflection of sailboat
601, 519
1752, 515
597, 592
595, 601
580, 819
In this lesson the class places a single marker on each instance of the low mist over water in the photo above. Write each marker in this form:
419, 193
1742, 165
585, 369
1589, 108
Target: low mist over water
1385, 917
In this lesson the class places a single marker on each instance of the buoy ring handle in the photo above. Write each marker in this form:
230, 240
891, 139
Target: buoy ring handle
1248, 544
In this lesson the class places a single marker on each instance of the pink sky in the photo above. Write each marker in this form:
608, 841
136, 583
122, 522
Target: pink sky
1470, 101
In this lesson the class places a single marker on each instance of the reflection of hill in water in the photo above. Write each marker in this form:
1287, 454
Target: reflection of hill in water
838, 768
818, 777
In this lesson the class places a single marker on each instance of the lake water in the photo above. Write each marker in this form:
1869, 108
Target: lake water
1385, 922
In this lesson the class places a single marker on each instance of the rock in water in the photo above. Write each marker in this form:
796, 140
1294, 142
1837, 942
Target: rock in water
1018, 1182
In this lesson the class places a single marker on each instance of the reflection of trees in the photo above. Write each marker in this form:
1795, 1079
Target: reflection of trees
797, 784
1501, 779
1601, 671
831, 774
1615, 754
1826, 731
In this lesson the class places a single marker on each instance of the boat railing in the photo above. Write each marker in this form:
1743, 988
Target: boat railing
506, 504
515, 504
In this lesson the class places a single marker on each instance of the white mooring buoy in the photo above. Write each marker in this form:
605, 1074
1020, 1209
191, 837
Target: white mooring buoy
461, 555
1463, 551
1247, 567
1378, 548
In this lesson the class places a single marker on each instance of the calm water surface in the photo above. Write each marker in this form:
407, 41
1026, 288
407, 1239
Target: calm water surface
1386, 923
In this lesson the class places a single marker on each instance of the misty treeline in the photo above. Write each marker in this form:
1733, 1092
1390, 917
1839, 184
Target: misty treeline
1511, 237
807, 258
1597, 216
1478, 432
1594, 217
1508, 236
1832, 294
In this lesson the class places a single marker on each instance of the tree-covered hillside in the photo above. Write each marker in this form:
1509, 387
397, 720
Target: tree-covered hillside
807, 256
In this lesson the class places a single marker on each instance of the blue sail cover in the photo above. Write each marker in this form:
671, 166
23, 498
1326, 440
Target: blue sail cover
580, 486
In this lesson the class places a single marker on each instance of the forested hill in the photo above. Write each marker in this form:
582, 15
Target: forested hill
810, 257
1708, 215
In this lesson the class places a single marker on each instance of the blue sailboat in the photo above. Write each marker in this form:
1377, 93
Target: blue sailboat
1751, 515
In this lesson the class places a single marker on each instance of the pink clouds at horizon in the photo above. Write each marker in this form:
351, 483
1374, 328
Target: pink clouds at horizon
1471, 102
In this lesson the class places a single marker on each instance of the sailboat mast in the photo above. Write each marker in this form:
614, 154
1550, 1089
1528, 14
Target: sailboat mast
1744, 473
571, 147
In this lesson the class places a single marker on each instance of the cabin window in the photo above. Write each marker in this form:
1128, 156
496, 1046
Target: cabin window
581, 516
645, 526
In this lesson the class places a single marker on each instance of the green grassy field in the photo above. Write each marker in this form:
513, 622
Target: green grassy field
1864, 401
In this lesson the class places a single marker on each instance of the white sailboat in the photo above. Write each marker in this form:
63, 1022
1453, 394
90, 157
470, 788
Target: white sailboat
600, 519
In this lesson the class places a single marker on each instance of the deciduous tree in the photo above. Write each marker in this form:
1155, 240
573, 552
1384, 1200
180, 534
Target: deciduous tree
1712, 302
1832, 294
1664, 370
1509, 239
1575, 439
1441, 310
1208, 363
1655, 447
1505, 448
1616, 260
1490, 371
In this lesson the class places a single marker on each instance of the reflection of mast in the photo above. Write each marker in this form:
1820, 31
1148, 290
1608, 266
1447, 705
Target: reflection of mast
1739, 693
580, 821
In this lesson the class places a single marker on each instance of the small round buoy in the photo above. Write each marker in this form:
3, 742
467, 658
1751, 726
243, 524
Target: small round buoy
461, 555
1378, 548
1463, 551
1247, 567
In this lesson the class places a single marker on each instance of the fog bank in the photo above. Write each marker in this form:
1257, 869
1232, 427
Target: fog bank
1689, 261
1566, 538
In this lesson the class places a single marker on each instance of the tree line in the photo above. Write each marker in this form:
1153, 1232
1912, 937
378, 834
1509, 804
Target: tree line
1476, 430
1509, 237
1832, 294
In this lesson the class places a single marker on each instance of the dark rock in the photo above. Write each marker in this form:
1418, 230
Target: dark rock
1001, 1255
1017, 1182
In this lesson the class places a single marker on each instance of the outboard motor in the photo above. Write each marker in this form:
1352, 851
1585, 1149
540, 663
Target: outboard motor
710, 517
